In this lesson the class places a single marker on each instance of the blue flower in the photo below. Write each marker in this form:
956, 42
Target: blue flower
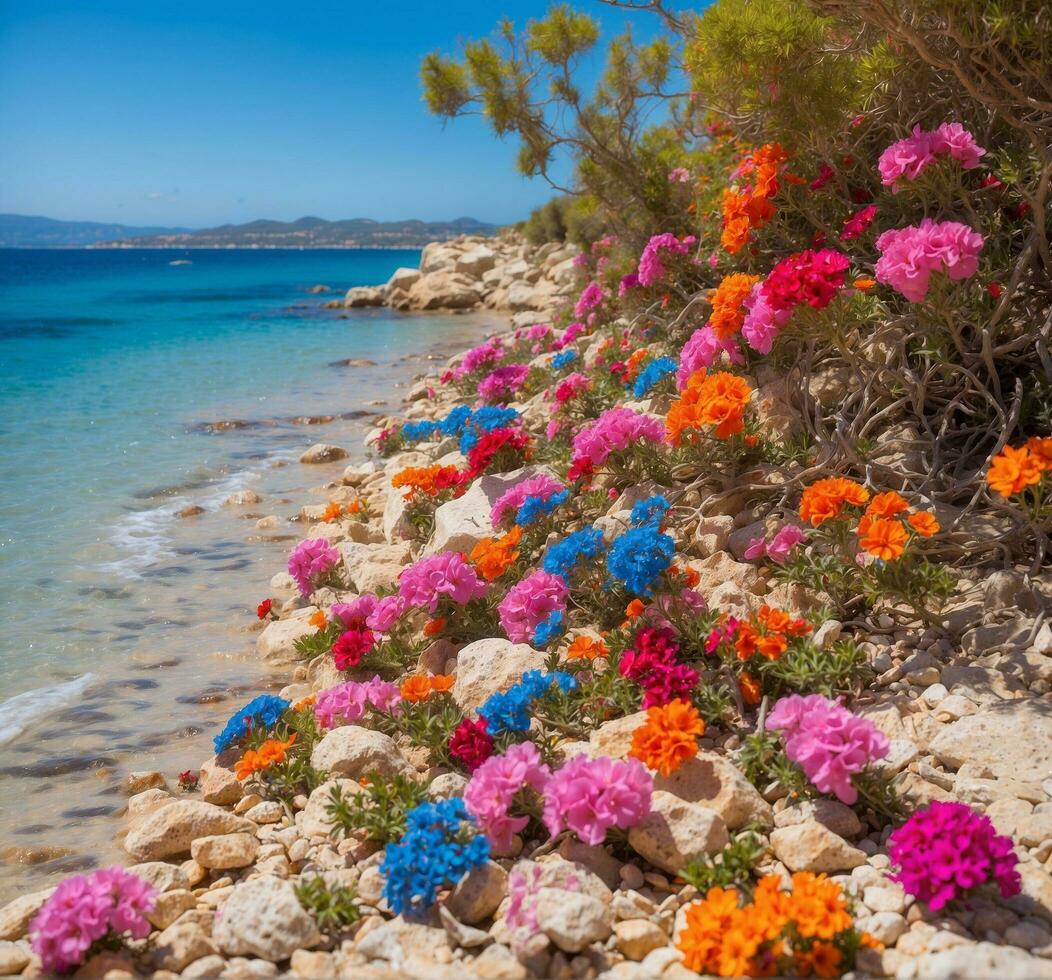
439, 847
484, 419
552, 628
639, 556
509, 711
652, 374
651, 510
415, 431
263, 711
535, 505
563, 358
454, 422
563, 556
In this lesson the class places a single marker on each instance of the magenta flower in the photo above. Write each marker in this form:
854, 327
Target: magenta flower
946, 850
909, 256
493, 786
955, 140
477, 357
616, 429
591, 296
86, 908
701, 351
858, 223
679, 175
651, 269
310, 560
423, 584
542, 485
785, 539
762, 322
344, 704
589, 796
501, 383
827, 741
529, 603
909, 157
568, 336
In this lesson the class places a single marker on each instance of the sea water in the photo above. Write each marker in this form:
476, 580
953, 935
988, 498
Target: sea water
127, 631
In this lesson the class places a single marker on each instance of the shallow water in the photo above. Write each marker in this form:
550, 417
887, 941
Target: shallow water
126, 632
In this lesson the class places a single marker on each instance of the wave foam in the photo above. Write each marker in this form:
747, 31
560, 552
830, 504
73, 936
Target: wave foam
19, 712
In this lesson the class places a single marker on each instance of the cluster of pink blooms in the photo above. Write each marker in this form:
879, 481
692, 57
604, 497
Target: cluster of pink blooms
946, 850
423, 584
344, 704
908, 157
813, 277
477, 357
679, 175
571, 386
494, 785
631, 281
858, 222
569, 335
309, 560
784, 540
379, 614
529, 603
591, 296
701, 351
827, 741
651, 269
84, 909
542, 485
651, 663
503, 382
910, 255
616, 429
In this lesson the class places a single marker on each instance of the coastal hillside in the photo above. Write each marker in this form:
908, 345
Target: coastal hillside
32, 231
310, 232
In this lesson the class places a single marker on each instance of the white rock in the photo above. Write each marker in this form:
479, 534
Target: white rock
16, 915
675, 832
263, 918
1009, 738
967, 962
314, 821
322, 452
571, 920
276, 645
885, 927
637, 937
355, 751
812, 847
838, 817
169, 831
163, 876
487, 666
715, 783
225, 851
181, 944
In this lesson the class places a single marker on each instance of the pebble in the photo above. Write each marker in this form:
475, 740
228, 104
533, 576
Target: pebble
631, 876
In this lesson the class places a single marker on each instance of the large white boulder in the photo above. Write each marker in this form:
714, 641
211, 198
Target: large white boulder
487, 666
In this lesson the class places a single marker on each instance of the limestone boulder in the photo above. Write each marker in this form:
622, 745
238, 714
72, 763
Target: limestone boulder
169, 831
322, 452
475, 261
16, 915
712, 781
363, 296
444, 290
571, 920
1009, 738
487, 666
355, 751
263, 918
810, 846
676, 832
225, 851
276, 645
402, 279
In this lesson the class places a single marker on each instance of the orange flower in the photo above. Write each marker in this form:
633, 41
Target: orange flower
1013, 470
883, 539
779, 621
440, 683
886, 505
434, 626
1041, 451
772, 646
632, 364
268, 754
726, 299
318, 619
718, 399
332, 512
823, 959
691, 576
354, 507
416, 688
494, 556
428, 480
750, 689
305, 702
864, 285
668, 737
585, 648
824, 499
924, 524
635, 609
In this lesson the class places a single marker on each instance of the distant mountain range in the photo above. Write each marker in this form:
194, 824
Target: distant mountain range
21, 231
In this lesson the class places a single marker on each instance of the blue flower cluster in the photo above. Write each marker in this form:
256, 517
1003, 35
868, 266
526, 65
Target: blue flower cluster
650, 375
484, 419
509, 711
551, 629
535, 505
263, 711
437, 850
639, 556
454, 422
650, 511
586, 544
417, 431
563, 358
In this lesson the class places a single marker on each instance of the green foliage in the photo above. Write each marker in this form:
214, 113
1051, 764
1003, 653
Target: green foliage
806, 669
320, 641
333, 906
763, 760
730, 868
378, 811
427, 724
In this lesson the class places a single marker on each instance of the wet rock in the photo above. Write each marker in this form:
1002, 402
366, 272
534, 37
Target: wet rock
191, 510
242, 498
491, 665
322, 452
354, 751
225, 851
676, 832
263, 918
138, 782
169, 831
359, 297
812, 847
571, 920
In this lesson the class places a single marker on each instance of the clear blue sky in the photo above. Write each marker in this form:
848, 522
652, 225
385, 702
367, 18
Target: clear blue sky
198, 112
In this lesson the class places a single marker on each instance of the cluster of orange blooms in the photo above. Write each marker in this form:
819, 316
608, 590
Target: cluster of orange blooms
334, 510
318, 619
776, 934
751, 207
668, 737
881, 531
768, 633
494, 556
419, 687
270, 753
1014, 469
726, 299
427, 480
633, 363
717, 399
586, 648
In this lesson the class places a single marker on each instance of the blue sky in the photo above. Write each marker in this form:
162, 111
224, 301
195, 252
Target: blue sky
200, 112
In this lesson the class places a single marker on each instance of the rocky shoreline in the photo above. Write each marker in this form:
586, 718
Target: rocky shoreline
964, 706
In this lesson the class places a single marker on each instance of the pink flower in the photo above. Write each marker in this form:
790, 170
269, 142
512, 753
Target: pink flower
571, 386
86, 908
493, 786
344, 704
701, 351
825, 175
542, 485
757, 549
616, 429
423, 584
309, 560
589, 796
591, 296
910, 255
679, 175
629, 282
827, 741
651, 269
762, 322
503, 382
906, 158
858, 223
569, 335
784, 541
477, 357
954, 139
529, 603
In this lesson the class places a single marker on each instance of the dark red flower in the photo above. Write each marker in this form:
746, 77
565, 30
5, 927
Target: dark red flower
825, 174
351, 646
263, 609
471, 743
188, 779
995, 289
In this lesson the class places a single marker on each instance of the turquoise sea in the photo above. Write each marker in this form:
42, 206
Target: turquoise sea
126, 632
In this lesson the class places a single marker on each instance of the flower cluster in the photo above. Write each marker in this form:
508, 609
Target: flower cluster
495, 783
344, 704
509, 711
494, 556
420, 687
947, 850
478, 357
652, 374
427, 581
651, 268
910, 256
502, 383
529, 603
310, 560
564, 555
262, 712
537, 494
651, 663
668, 737
1016, 470
85, 909
907, 158
767, 633
726, 299
592, 796
471, 743
749, 209
271, 753
713, 403
429, 481
616, 430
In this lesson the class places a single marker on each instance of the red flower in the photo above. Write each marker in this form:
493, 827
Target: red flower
188, 779
471, 743
351, 646
263, 609
994, 289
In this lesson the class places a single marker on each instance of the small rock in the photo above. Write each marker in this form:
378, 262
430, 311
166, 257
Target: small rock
16, 916
313, 965
263, 918
812, 847
14, 958
170, 830
478, 893
180, 945
675, 832
355, 751
571, 920
321, 452
169, 906
837, 816
163, 876
885, 927
466, 936
637, 937
242, 498
631, 877
138, 782
219, 785
888, 897
714, 783
269, 811
225, 851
